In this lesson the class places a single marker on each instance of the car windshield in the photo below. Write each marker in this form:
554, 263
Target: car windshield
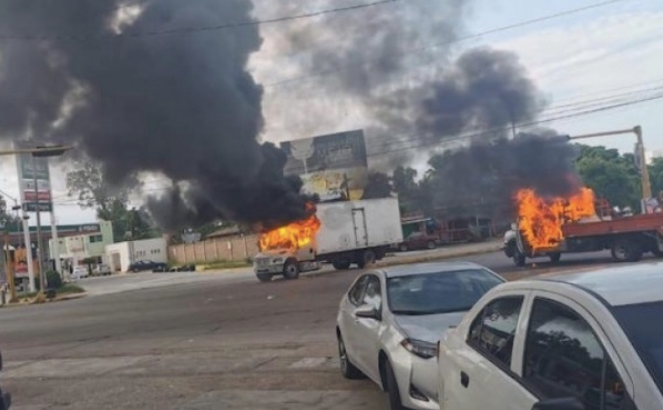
439, 292
645, 335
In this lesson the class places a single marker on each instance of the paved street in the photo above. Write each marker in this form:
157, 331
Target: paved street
195, 341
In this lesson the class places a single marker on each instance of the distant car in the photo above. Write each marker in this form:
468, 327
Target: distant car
102, 270
391, 319
5, 398
419, 240
80, 272
147, 265
577, 341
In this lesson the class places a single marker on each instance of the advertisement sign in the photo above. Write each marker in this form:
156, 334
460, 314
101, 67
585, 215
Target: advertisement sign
30, 170
332, 166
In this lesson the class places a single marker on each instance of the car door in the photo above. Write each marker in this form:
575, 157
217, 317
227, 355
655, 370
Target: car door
347, 318
566, 355
476, 360
367, 331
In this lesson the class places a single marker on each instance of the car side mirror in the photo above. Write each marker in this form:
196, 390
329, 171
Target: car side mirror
567, 403
368, 312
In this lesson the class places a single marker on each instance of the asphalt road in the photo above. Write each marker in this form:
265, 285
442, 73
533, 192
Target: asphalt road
196, 341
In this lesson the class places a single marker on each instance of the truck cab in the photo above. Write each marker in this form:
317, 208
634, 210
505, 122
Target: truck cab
286, 262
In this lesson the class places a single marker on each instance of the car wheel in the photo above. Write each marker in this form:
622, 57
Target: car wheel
291, 270
431, 245
395, 402
348, 369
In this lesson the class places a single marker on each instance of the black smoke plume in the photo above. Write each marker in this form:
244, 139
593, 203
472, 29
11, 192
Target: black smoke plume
103, 75
483, 177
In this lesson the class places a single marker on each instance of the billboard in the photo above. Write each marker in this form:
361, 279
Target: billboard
31, 170
332, 166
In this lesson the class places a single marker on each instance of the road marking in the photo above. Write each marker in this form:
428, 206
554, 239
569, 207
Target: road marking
309, 363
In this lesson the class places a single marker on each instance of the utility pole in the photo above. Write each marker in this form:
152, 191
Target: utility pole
10, 270
40, 249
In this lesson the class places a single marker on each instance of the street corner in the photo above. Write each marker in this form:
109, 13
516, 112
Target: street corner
371, 399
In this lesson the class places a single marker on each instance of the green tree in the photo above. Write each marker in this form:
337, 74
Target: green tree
611, 175
656, 176
111, 203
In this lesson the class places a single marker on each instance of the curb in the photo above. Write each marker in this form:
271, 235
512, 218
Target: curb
434, 258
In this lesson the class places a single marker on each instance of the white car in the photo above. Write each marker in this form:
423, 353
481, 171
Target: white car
102, 270
590, 341
79, 272
391, 319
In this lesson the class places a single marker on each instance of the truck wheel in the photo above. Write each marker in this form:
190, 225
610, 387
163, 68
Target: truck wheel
431, 245
264, 277
366, 259
519, 258
555, 257
626, 250
291, 270
341, 264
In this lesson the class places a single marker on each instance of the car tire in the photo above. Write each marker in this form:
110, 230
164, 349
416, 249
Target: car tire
348, 370
395, 402
291, 270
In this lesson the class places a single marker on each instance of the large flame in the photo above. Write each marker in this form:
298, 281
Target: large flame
541, 219
295, 235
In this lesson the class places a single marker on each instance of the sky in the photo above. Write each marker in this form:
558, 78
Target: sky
596, 55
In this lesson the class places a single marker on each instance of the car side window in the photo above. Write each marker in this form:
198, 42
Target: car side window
373, 294
493, 330
355, 294
565, 358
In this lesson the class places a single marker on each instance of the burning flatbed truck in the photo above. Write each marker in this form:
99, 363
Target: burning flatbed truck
341, 233
573, 225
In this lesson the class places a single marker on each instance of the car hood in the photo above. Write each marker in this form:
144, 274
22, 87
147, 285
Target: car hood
428, 328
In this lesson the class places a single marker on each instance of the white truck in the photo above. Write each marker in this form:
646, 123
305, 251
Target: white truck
351, 232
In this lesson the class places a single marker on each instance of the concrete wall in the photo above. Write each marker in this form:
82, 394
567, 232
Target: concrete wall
234, 248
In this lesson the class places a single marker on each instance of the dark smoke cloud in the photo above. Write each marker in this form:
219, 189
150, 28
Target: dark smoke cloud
181, 104
485, 176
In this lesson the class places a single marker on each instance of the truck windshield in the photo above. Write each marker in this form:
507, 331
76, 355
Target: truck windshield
439, 292
646, 335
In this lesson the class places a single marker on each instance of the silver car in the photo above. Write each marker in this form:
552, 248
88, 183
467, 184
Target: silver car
391, 319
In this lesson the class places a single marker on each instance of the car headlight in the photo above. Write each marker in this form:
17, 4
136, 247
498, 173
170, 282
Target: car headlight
425, 350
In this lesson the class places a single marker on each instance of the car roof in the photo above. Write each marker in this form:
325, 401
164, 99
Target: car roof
618, 286
428, 267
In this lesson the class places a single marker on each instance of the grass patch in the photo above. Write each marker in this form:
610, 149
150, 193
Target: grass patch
220, 265
66, 289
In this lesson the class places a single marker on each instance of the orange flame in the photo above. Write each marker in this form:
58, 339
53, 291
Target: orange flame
541, 220
292, 236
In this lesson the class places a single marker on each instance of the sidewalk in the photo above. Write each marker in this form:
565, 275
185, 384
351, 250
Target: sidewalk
445, 252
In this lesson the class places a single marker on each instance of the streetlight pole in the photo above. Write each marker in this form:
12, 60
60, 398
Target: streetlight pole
639, 152
40, 249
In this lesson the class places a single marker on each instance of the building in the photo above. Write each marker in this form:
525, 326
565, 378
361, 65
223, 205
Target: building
120, 255
76, 248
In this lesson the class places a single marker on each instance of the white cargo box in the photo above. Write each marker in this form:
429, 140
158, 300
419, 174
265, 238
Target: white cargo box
351, 225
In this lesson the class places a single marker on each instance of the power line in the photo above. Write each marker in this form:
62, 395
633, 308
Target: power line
197, 29
461, 39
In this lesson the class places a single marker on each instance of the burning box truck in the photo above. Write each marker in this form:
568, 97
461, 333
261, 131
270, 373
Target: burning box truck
341, 233
579, 223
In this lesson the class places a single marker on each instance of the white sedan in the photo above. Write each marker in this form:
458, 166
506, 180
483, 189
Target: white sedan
391, 319
591, 341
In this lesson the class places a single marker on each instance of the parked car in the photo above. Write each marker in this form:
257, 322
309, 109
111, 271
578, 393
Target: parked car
80, 272
419, 240
5, 398
391, 319
102, 270
569, 342
147, 265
